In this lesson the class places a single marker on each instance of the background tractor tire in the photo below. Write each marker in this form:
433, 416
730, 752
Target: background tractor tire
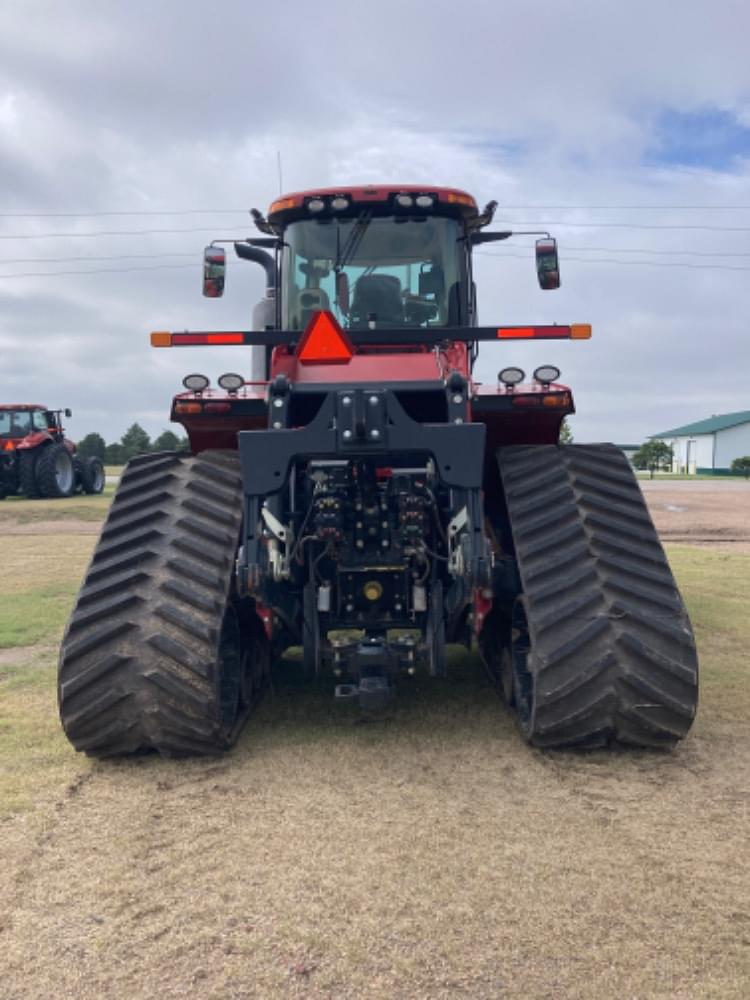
156, 651
27, 473
55, 475
602, 648
91, 475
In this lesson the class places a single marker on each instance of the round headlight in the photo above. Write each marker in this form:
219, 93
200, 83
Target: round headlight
425, 201
404, 200
196, 383
511, 376
316, 205
231, 381
546, 374
338, 204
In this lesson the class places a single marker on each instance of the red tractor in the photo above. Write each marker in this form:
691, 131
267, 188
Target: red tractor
359, 494
37, 460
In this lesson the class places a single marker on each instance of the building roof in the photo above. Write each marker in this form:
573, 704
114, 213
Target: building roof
709, 426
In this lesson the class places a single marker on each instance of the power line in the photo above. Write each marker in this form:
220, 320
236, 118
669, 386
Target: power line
629, 263
103, 270
194, 254
68, 260
243, 211
132, 212
660, 253
631, 208
633, 225
125, 232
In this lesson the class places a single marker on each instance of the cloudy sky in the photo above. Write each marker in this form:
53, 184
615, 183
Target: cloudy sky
131, 134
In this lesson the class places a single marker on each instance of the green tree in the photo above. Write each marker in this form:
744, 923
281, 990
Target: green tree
135, 441
653, 455
742, 465
92, 446
566, 435
114, 454
167, 441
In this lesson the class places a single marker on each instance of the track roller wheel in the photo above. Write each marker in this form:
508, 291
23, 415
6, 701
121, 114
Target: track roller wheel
157, 651
601, 646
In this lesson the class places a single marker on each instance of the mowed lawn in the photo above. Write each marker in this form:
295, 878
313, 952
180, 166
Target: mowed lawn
430, 854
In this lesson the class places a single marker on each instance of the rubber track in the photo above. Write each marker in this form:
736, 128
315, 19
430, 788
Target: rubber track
612, 656
139, 658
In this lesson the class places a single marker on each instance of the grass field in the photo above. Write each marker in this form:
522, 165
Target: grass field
431, 854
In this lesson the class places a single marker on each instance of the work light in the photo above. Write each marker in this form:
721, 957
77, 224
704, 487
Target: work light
546, 374
231, 381
196, 383
511, 376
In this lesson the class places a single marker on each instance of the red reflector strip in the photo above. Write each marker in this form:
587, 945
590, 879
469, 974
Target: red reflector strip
207, 338
527, 401
217, 407
533, 333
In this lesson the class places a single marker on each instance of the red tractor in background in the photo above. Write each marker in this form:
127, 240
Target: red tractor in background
37, 460
358, 493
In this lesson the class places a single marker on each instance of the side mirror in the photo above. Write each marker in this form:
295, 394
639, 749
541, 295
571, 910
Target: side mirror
547, 265
68, 413
214, 272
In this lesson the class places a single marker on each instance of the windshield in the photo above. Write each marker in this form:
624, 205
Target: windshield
15, 423
379, 272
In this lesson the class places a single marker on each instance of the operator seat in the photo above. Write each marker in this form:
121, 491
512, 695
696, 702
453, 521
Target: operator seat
378, 295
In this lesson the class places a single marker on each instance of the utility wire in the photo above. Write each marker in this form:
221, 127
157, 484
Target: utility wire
125, 232
632, 225
630, 263
660, 253
579, 260
103, 270
98, 215
243, 211
126, 256
631, 208
195, 253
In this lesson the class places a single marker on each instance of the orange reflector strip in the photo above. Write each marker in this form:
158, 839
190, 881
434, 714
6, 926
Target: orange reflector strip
161, 339
580, 331
8, 446
188, 407
324, 342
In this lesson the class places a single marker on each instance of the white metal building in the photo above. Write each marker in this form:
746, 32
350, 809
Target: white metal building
711, 445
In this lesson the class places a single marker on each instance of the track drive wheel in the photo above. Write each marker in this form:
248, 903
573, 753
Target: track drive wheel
601, 646
154, 656
55, 475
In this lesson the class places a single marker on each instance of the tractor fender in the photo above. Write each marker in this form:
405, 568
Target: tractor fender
33, 440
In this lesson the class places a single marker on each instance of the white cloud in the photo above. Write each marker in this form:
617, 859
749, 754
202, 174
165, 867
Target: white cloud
175, 105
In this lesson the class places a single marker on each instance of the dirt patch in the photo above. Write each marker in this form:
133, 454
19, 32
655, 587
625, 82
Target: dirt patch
70, 527
430, 855
701, 512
